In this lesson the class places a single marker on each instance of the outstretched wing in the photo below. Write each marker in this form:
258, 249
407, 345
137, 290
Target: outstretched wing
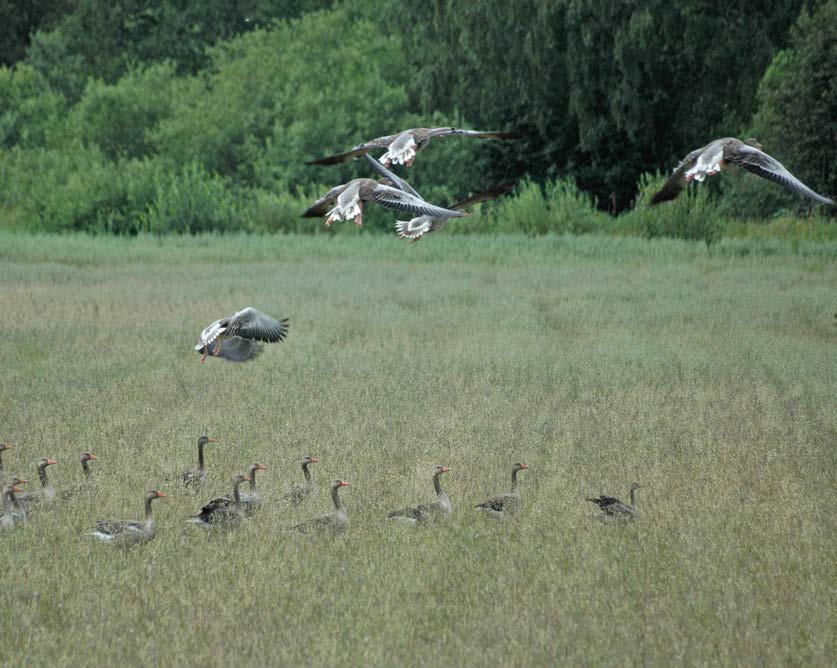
677, 181
398, 200
212, 332
360, 149
400, 183
477, 134
253, 324
761, 164
320, 208
484, 196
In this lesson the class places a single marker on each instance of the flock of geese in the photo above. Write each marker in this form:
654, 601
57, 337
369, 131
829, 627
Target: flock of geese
231, 511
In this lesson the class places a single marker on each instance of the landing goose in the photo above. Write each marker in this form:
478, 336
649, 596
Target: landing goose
440, 506
130, 531
505, 504
237, 338
336, 521
710, 159
613, 508
401, 148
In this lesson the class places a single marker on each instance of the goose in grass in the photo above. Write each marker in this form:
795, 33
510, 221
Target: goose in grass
505, 504
86, 458
401, 148
10, 516
3, 448
716, 155
613, 508
439, 507
250, 502
348, 200
130, 531
303, 490
417, 227
237, 337
219, 511
28, 501
196, 477
335, 521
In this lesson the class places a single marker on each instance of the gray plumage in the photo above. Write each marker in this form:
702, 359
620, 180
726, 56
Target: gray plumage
303, 490
614, 508
236, 338
130, 531
334, 521
220, 511
440, 506
505, 504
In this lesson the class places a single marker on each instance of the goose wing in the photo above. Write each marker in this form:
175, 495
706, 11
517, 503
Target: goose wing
398, 200
677, 181
212, 332
320, 208
387, 174
257, 326
360, 149
236, 349
497, 504
483, 196
477, 134
760, 163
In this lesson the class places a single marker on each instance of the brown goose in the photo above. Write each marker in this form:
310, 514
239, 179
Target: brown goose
249, 502
10, 516
302, 491
415, 228
614, 508
27, 502
219, 511
710, 159
86, 458
505, 504
130, 531
3, 448
403, 146
441, 506
196, 478
349, 198
336, 521
236, 338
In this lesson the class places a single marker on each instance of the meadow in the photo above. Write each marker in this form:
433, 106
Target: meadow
706, 374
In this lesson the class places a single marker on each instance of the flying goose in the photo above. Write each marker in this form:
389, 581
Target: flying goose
130, 531
349, 198
613, 507
302, 491
336, 521
235, 338
197, 477
440, 506
415, 228
710, 159
505, 504
403, 146
219, 511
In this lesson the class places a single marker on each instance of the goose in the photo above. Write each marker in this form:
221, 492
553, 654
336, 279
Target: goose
236, 338
197, 477
27, 502
86, 458
348, 200
417, 227
219, 511
613, 508
505, 504
401, 148
3, 448
249, 502
10, 516
336, 521
130, 531
710, 159
440, 506
302, 491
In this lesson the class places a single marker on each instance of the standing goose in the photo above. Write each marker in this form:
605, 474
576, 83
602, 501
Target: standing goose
403, 146
415, 228
440, 506
303, 490
28, 501
3, 448
196, 478
10, 516
349, 198
336, 521
613, 507
130, 531
219, 512
236, 338
710, 159
505, 504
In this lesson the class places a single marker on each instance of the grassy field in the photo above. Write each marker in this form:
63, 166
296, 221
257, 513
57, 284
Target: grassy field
708, 376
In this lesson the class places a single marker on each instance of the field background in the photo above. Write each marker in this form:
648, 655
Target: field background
708, 375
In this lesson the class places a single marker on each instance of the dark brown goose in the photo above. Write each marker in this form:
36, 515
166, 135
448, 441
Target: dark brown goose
130, 531
716, 155
336, 521
28, 501
348, 200
505, 504
239, 337
614, 508
196, 478
403, 146
303, 490
219, 511
440, 506
10, 516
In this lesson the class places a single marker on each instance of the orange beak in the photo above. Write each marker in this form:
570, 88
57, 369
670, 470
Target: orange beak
344, 484
161, 495
247, 478
445, 469
524, 466
93, 457
262, 467
210, 440
314, 460
50, 462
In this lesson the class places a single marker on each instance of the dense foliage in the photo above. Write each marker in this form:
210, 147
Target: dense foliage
191, 116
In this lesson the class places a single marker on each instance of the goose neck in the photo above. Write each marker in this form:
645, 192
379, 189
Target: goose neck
85, 468
335, 496
306, 471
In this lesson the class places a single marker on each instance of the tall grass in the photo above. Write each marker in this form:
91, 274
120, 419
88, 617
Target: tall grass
705, 374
